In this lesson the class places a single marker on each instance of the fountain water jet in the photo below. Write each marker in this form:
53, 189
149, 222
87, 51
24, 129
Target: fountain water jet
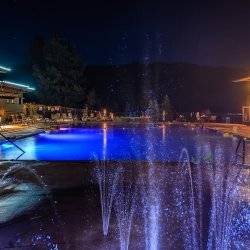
124, 207
184, 164
151, 198
224, 187
151, 209
23, 189
216, 185
107, 178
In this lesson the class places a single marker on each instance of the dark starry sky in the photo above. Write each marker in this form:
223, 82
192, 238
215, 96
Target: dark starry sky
117, 32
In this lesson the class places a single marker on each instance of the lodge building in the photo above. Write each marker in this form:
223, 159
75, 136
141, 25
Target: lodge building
11, 95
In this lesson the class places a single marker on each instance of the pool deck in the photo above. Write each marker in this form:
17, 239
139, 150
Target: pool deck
21, 131
15, 132
233, 129
238, 130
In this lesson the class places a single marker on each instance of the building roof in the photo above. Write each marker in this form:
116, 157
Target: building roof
24, 87
4, 69
245, 80
13, 84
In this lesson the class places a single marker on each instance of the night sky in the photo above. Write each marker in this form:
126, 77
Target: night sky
118, 32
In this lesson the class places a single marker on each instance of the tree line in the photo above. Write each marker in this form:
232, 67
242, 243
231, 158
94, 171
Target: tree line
61, 80
59, 73
64, 79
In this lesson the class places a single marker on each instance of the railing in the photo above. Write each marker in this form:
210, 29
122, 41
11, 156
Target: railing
10, 141
242, 141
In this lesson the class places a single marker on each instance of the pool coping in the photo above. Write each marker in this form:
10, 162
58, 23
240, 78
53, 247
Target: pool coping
16, 136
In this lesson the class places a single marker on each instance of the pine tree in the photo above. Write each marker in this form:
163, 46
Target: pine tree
60, 75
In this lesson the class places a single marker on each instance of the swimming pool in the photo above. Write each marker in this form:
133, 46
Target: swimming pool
117, 143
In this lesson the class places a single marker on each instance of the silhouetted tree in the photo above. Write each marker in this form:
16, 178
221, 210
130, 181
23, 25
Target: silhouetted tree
59, 72
91, 98
37, 51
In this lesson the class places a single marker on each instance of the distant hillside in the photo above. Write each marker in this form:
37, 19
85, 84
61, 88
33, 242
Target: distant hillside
190, 87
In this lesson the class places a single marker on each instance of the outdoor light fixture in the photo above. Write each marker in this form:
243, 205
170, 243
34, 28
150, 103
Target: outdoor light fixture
4, 68
104, 126
19, 85
245, 79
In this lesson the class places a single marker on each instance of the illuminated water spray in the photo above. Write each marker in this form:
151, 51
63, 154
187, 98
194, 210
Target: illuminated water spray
224, 187
23, 189
107, 178
151, 199
15, 168
212, 179
152, 208
124, 207
184, 164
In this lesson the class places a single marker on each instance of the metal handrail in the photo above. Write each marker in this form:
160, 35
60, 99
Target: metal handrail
10, 141
243, 154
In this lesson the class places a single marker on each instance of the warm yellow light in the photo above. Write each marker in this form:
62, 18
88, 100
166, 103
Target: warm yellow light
104, 126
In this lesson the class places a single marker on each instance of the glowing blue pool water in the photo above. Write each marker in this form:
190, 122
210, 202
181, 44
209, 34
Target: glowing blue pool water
140, 143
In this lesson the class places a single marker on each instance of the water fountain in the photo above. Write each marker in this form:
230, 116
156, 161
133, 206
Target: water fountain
185, 172
150, 195
213, 183
196, 202
210, 179
107, 176
124, 209
151, 198
16, 190
224, 186
21, 190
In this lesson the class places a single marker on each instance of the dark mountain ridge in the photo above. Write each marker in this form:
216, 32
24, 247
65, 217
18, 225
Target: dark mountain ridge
190, 87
